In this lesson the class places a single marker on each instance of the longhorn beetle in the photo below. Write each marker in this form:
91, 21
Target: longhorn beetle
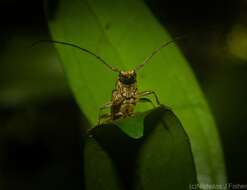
125, 95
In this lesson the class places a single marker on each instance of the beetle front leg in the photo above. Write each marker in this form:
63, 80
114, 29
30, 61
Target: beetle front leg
105, 106
147, 93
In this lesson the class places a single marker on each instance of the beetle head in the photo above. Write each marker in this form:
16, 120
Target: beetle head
127, 77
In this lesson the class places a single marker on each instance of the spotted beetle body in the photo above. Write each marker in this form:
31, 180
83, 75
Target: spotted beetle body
125, 96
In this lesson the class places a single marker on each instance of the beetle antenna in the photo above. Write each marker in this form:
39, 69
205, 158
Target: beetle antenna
80, 48
157, 50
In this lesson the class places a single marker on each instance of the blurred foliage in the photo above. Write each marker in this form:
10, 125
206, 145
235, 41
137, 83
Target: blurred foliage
40, 141
29, 74
237, 42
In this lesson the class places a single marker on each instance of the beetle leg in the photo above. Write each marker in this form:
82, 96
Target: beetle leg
146, 100
147, 93
119, 114
105, 106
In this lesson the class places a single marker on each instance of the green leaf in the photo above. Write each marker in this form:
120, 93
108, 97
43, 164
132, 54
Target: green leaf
99, 170
124, 33
160, 159
133, 126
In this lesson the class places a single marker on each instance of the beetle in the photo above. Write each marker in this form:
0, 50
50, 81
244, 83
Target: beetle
125, 96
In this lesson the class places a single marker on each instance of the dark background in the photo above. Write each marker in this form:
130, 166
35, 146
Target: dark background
40, 124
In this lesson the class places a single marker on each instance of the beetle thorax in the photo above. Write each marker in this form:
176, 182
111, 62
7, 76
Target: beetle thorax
127, 91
